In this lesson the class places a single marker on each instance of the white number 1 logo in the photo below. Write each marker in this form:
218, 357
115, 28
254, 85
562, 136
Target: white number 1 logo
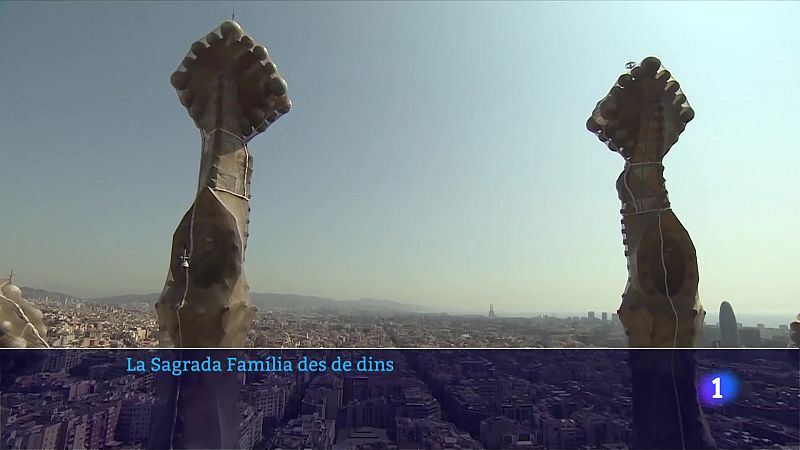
717, 384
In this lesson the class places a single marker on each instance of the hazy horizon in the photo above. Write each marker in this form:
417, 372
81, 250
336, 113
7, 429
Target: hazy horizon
436, 152
770, 318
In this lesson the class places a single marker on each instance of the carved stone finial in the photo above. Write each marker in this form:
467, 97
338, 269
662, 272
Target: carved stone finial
643, 114
227, 81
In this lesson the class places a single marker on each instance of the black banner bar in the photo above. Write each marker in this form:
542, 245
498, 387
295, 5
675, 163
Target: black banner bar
399, 398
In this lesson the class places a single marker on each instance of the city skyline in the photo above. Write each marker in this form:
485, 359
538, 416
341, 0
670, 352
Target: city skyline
287, 320
268, 302
436, 152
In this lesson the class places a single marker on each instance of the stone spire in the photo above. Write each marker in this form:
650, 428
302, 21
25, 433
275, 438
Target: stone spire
232, 91
641, 118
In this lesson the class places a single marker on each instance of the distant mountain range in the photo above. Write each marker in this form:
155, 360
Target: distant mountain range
29, 292
264, 302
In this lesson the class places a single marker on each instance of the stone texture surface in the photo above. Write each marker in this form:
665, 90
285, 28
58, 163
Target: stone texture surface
21, 323
641, 119
232, 91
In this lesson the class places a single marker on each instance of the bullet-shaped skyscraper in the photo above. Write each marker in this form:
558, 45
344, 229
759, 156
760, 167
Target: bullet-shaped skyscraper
728, 328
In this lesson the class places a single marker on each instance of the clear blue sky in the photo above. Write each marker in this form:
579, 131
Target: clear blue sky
436, 152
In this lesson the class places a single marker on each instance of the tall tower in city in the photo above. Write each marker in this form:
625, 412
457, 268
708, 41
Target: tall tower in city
728, 328
233, 92
491, 310
641, 118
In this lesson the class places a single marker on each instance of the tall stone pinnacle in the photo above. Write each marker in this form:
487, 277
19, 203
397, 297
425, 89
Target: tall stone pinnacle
233, 91
641, 118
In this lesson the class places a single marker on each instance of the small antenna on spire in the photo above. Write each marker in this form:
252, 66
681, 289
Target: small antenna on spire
233, 14
11, 275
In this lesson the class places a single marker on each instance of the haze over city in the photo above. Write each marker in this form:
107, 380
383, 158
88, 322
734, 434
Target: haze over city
436, 153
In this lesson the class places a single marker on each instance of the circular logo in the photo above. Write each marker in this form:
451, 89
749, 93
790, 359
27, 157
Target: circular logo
718, 388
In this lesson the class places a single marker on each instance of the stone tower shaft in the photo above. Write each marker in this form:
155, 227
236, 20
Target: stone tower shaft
641, 119
232, 91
